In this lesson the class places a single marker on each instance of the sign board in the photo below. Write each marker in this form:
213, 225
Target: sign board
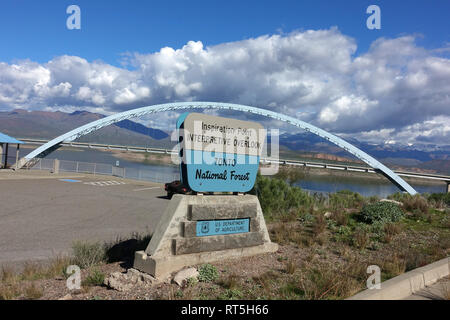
219, 154
218, 227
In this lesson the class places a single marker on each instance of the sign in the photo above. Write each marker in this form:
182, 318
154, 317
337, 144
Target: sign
218, 227
219, 154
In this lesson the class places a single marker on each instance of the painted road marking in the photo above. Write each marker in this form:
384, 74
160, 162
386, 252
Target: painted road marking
105, 183
69, 180
146, 188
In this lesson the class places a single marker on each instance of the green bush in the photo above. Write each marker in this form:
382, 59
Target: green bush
87, 254
381, 212
95, 278
291, 174
207, 273
345, 199
278, 197
439, 198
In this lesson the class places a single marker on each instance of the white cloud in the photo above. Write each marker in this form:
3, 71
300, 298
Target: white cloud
395, 91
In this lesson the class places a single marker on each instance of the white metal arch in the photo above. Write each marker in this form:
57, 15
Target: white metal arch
135, 113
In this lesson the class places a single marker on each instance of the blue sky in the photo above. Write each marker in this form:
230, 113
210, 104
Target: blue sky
314, 60
36, 30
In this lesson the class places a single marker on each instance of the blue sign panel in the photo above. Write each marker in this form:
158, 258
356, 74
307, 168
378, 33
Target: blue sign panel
218, 227
228, 172
219, 154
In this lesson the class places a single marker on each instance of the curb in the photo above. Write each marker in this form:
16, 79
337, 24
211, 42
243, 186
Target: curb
408, 283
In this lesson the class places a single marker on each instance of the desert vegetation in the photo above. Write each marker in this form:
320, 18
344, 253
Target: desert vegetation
326, 244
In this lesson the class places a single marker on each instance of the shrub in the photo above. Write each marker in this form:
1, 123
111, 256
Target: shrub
95, 278
208, 273
343, 234
291, 174
278, 197
345, 199
86, 254
440, 198
381, 212
416, 204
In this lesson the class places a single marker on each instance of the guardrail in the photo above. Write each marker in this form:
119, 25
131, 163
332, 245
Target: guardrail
103, 169
312, 164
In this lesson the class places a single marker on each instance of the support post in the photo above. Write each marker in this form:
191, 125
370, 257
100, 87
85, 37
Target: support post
17, 156
448, 186
1, 155
6, 155
55, 166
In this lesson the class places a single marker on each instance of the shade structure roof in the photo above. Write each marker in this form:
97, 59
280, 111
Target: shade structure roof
7, 139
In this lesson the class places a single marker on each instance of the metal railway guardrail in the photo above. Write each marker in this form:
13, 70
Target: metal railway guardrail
311, 164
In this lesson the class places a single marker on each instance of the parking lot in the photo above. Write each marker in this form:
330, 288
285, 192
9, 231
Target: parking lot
42, 214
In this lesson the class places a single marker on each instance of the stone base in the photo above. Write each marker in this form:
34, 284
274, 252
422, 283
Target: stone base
177, 242
161, 267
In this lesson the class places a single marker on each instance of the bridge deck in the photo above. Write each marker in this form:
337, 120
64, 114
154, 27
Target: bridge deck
312, 164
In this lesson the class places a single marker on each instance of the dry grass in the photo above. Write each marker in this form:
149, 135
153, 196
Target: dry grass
360, 238
319, 225
326, 281
13, 285
390, 230
341, 217
266, 282
287, 233
445, 289
231, 282
9, 291
392, 266
291, 266
33, 292
7, 274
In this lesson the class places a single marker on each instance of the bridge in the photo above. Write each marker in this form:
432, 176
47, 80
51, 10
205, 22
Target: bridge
177, 106
291, 162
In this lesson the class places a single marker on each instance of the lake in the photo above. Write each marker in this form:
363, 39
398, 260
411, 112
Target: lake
322, 183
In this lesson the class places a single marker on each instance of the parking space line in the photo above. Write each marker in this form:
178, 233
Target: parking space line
104, 183
146, 188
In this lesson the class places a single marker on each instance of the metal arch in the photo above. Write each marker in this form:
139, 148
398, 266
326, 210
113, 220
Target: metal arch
98, 124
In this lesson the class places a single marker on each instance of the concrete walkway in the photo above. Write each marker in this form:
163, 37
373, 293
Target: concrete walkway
438, 291
419, 283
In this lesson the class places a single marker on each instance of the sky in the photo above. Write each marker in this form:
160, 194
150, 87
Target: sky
314, 60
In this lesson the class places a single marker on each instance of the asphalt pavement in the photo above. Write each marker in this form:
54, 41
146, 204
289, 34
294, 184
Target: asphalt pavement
42, 214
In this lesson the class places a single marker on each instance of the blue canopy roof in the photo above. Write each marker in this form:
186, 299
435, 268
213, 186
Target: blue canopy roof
7, 139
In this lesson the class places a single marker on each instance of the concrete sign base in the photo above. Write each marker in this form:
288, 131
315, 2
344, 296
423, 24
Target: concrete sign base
197, 229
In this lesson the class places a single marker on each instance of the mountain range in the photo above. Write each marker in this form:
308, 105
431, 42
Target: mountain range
47, 125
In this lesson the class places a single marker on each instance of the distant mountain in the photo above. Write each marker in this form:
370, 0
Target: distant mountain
139, 128
48, 125
312, 143
427, 157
